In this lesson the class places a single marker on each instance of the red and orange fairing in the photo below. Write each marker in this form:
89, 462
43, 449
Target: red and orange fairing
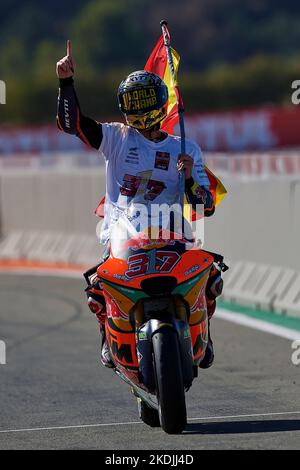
122, 292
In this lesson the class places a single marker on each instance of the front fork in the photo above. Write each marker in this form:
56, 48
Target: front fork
144, 334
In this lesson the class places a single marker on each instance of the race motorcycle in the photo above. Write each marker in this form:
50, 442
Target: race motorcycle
156, 323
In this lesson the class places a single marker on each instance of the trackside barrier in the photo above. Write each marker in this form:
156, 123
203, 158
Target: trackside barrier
263, 287
265, 293
255, 165
243, 165
50, 247
289, 301
239, 283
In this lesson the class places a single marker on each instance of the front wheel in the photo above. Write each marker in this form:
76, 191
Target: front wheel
169, 381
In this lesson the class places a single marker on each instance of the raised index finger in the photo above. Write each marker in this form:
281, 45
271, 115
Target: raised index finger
69, 48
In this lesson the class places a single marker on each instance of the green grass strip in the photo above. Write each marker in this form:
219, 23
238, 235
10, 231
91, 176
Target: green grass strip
268, 316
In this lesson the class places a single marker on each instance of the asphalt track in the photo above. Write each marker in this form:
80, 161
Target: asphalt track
52, 380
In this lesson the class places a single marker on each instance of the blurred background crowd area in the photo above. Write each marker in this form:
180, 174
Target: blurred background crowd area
234, 53
239, 59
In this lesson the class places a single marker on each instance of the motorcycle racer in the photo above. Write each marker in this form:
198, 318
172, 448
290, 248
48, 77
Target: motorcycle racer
131, 151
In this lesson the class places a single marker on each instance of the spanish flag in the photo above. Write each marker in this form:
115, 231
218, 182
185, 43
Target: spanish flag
158, 64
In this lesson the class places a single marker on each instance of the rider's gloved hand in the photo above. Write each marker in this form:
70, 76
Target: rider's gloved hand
65, 67
185, 163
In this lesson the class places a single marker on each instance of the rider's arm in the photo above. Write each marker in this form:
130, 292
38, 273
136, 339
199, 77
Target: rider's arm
197, 187
197, 194
70, 119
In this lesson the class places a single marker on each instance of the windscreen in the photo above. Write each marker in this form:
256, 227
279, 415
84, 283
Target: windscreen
141, 226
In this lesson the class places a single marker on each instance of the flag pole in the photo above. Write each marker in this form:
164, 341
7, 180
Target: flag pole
166, 37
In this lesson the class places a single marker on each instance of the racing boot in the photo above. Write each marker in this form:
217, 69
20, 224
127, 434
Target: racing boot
209, 355
214, 288
105, 353
96, 303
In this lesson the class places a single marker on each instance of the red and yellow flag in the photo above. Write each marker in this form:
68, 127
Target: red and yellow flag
158, 64
217, 188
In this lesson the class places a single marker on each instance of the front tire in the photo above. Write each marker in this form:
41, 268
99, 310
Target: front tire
169, 381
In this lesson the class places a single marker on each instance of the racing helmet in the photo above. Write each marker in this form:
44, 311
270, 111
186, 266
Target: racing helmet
142, 98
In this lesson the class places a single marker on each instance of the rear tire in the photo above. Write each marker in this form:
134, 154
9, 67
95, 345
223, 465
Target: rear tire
148, 415
169, 380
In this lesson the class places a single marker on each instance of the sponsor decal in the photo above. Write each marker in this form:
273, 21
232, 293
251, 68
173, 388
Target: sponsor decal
67, 113
186, 333
122, 352
120, 277
133, 156
142, 336
139, 99
139, 243
114, 312
200, 303
162, 160
133, 151
192, 269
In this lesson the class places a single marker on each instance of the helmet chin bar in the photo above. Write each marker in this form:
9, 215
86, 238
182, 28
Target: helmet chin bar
148, 121
153, 133
154, 128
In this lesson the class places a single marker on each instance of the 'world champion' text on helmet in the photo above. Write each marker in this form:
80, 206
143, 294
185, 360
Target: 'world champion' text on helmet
143, 98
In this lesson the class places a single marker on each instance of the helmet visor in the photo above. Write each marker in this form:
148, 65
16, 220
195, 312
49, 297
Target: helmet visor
142, 100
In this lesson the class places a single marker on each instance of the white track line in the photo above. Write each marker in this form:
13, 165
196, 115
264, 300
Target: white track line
79, 426
255, 415
257, 324
206, 418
